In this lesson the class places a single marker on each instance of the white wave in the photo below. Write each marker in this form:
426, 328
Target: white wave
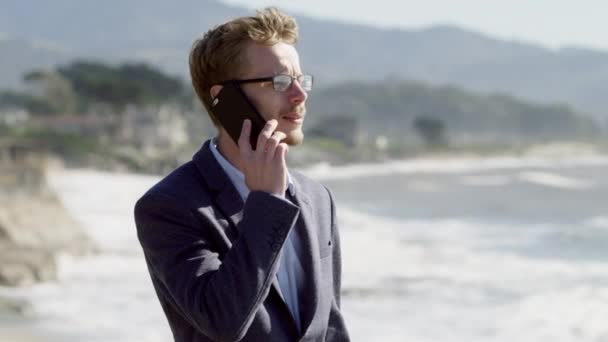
419, 280
560, 315
103, 202
453, 280
95, 294
433, 249
598, 222
486, 180
324, 171
93, 297
554, 180
424, 186
562, 149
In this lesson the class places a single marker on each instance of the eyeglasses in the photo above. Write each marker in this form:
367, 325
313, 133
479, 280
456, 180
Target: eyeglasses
280, 82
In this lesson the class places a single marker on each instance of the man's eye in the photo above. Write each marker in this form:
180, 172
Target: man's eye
281, 85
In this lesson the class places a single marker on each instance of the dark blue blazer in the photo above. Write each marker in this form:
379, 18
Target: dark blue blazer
213, 259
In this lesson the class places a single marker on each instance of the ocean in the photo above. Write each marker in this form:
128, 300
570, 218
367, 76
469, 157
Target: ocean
456, 249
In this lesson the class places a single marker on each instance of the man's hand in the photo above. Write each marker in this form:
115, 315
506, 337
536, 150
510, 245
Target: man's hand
265, 168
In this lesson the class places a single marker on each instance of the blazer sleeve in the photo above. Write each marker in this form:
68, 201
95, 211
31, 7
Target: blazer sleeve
219, 297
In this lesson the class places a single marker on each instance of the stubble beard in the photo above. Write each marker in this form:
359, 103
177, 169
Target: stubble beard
294, 138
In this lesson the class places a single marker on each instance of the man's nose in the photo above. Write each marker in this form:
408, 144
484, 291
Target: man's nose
297, 94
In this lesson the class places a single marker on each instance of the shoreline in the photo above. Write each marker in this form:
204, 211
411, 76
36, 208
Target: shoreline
434, 248
427, 162
17, 328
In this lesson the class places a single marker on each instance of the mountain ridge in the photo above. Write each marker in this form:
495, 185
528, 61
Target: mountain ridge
161, 33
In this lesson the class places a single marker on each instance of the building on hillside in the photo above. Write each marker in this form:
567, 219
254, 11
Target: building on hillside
14, 117
153, 130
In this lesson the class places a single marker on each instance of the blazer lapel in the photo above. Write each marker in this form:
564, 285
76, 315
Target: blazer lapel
311, 263
226, 197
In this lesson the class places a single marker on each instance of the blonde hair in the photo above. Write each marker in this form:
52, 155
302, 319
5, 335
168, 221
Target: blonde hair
219, 54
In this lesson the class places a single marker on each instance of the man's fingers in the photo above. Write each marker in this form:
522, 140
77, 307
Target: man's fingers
244, 144
265, 134
281, 154
279, 136
272, 143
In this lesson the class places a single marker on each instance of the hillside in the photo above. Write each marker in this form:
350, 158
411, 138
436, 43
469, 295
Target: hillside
161, 33
391, 107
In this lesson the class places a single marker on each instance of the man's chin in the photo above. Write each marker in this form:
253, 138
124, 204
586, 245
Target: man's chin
294, 138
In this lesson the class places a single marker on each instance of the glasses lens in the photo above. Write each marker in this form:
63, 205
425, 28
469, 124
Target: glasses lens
306, 82
281, 82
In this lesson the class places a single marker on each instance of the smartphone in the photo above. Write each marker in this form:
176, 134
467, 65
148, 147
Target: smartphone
231, 107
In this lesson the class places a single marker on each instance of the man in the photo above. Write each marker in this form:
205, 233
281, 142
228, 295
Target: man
238, 247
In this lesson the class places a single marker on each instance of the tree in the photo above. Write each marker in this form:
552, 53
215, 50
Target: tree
53, 93
119, 86
431, 130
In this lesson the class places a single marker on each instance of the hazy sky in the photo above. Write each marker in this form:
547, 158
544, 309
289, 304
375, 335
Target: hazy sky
551, 23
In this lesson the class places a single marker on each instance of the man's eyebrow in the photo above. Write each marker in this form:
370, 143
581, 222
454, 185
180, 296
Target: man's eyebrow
282, 71
285, 68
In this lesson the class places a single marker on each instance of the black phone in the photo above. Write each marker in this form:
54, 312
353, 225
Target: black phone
231, 107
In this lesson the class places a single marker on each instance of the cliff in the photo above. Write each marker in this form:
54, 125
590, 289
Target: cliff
34, 225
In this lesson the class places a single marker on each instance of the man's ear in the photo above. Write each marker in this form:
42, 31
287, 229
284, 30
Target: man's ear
215, 90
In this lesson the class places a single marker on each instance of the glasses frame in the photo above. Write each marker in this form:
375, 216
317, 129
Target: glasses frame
272, 79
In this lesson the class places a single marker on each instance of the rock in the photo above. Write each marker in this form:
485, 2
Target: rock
34, 225
23, 266
34, 228
39, 220
14, 307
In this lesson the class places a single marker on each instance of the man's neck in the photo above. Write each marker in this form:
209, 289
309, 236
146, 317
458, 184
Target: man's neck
229, 150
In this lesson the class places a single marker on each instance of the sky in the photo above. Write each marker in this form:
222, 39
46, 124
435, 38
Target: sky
550, 23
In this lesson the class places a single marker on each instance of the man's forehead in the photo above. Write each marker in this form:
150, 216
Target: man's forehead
277, 58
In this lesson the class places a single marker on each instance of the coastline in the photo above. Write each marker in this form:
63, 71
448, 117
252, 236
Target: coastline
16, 327
115, 237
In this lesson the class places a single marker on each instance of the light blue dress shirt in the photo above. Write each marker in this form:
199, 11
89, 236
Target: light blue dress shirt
290, 273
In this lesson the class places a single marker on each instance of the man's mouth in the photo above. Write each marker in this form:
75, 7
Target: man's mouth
293, 118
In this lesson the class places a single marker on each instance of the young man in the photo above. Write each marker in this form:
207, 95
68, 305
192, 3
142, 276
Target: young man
238, 247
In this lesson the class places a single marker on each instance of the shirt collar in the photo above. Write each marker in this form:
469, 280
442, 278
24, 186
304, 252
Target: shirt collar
236, 176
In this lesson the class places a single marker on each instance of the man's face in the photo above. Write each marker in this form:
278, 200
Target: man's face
287, 107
